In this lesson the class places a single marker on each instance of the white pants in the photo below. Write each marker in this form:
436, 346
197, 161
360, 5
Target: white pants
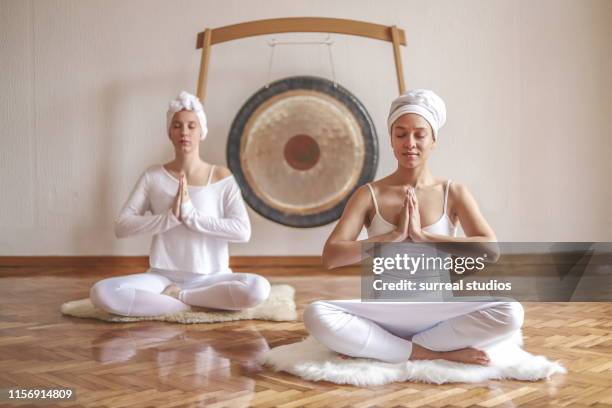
380, 330
141, 294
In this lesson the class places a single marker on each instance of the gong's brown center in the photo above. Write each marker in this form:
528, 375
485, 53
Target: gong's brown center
302, 152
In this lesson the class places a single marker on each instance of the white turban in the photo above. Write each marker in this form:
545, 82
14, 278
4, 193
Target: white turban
187, 101
423, 102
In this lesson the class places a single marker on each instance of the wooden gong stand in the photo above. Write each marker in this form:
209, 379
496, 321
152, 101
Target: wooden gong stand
211, 36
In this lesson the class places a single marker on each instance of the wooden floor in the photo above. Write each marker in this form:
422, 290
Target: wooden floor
213, 365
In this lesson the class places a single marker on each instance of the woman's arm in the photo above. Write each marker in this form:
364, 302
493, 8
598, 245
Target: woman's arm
132, 219
475, 226
342, 247
235, 225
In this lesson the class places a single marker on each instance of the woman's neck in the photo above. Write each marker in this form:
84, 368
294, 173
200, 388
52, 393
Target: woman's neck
415, 177
187, 164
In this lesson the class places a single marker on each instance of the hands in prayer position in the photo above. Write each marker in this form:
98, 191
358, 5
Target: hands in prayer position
409, 227
182, 196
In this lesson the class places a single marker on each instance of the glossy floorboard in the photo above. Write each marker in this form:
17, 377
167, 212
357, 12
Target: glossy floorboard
212, 365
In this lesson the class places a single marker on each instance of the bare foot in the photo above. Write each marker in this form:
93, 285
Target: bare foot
344, 356
468, 356
172, 290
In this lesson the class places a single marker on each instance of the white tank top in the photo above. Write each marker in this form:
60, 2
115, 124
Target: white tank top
443, 226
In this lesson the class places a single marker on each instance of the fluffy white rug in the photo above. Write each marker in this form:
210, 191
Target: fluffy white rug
279, 306
312, 361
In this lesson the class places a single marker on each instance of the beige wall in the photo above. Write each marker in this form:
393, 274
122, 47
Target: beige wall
85, 85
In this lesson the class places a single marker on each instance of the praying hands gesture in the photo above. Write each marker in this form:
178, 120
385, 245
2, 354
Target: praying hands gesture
409, 227
182, 196
415, 232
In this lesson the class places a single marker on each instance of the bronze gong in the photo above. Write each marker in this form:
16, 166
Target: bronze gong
299, 148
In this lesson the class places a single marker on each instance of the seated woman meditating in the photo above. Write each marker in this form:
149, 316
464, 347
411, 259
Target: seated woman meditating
410, 205
197, 209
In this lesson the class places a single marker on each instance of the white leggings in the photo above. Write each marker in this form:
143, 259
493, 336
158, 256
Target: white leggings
141, 294
381, 330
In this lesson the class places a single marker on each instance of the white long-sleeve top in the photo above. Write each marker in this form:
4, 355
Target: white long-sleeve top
214, 216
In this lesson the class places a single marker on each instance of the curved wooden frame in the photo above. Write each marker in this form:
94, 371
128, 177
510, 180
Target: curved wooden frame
207, 38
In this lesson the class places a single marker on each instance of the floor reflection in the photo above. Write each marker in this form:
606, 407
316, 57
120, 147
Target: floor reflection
187, 357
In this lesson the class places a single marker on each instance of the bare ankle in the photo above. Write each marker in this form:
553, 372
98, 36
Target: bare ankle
172, 290
422, 353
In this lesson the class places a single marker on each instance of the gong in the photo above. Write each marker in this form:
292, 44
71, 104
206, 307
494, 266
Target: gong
299, 147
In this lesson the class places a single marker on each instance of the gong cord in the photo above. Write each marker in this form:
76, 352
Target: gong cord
328, 41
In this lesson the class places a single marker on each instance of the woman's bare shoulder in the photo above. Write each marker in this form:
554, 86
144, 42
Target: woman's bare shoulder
220, 173
459, 196
360, 195
359, 202
382, 184
357, 207
457, 190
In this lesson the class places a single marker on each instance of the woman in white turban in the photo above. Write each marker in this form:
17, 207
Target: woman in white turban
196, 209
410, 205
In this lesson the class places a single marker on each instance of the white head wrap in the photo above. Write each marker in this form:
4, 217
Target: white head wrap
187, 101
422, 102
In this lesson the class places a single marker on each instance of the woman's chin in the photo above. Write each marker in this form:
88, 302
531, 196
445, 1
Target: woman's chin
184, 149
409, 164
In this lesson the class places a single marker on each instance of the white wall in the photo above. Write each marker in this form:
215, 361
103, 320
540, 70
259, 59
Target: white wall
85, 86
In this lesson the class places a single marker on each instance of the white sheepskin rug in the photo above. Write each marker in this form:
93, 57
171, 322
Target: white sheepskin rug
279, 306
312, 361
